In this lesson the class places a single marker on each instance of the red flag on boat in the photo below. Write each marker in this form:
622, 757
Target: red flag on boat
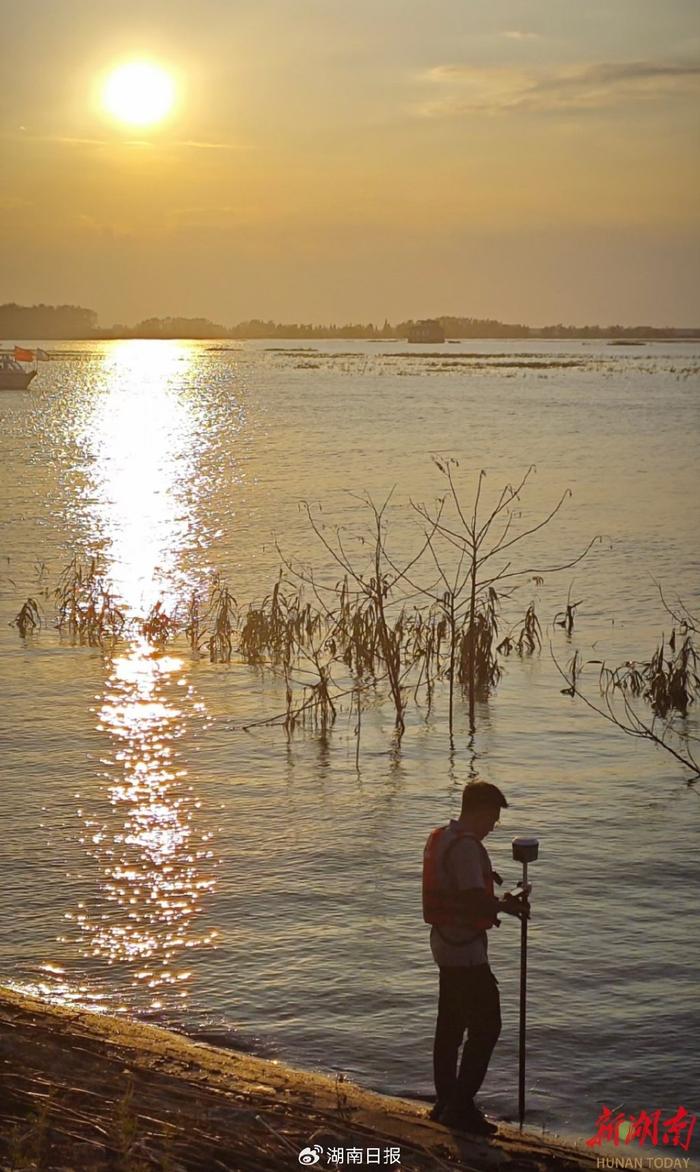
23, 355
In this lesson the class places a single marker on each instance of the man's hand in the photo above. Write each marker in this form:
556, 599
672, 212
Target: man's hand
516, 903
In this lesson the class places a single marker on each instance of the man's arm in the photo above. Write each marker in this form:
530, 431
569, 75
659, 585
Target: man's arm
471, 898
478, 904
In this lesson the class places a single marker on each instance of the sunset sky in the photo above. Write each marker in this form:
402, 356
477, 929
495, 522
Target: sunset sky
531, 160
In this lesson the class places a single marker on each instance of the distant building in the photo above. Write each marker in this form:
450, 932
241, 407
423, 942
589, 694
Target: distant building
426, 331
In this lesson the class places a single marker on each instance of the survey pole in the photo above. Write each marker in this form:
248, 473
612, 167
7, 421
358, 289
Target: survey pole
525, 850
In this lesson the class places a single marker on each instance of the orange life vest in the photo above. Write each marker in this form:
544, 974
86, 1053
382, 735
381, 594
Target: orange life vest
442, 904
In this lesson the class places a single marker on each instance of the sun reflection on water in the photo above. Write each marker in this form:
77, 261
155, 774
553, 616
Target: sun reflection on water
141, 436
155, 864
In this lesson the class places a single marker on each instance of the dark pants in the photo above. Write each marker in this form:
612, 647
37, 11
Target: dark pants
469, 1002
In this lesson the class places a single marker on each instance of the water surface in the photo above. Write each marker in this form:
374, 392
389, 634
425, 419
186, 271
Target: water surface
156, 859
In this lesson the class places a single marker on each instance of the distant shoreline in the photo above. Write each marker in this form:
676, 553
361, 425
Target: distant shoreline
107, 336
72, 323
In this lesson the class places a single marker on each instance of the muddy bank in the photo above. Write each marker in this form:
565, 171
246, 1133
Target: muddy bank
80, 1090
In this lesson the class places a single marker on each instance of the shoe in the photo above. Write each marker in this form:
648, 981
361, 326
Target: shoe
469, 1119
436, 1111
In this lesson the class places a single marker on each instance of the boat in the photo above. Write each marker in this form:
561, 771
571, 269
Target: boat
14, 376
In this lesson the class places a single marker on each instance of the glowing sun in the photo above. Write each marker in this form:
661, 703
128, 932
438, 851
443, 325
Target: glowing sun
139, 93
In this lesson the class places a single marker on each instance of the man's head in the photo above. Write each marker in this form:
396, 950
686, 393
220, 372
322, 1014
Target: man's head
481, 807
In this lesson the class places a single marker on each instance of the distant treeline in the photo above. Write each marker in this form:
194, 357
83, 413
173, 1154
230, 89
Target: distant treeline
46, 321
25, 322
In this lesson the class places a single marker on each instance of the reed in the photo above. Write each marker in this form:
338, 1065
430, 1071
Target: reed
478, 669
28, 618
159, 626
86, 609
574, 671
672, 682
426, 650
530, 638
565, 618
668, 681
319, 712
356, 634
222, 618
192, 626
278, 627
356, 704
369, 626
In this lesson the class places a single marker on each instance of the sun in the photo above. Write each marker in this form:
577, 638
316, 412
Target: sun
139, 93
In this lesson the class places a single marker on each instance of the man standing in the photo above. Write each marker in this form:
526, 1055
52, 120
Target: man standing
460, 904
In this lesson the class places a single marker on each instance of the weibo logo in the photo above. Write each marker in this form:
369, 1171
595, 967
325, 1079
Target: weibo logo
309, 1156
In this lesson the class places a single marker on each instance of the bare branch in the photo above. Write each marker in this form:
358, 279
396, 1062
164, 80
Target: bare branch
403, 573
418, 590
469, 529
684, 618
477, 497
508, 495
333, 552
635, 726
543, 569
526, 532
499, 543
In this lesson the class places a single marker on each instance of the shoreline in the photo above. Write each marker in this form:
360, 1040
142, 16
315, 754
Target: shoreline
87, 1091
106, 336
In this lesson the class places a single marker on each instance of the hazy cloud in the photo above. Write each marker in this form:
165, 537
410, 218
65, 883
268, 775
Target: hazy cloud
515, 34
574, 88
156, 143
212, 146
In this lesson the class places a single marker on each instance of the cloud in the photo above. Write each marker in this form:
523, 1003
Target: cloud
213, 216
150, 143
11, 203
211, 146
469, 89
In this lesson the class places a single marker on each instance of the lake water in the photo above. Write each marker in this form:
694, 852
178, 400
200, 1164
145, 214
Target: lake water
158, 859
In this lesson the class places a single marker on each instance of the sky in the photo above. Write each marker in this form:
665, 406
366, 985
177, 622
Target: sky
531, 160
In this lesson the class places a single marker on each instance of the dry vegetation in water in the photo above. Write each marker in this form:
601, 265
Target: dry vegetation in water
429, 628
668, 683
